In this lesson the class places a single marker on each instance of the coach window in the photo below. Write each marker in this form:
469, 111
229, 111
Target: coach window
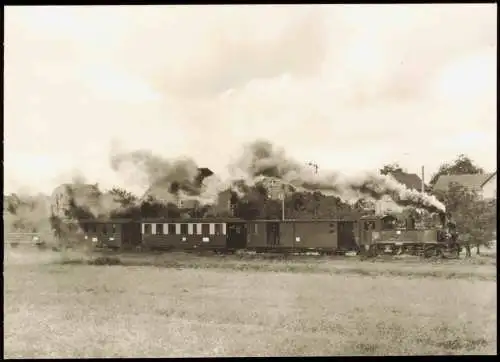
184, 229
85, 228
389, 223
205, 229
195, 229
255, 229
113, 228
159, 229
147, 228
104, 228
171, 228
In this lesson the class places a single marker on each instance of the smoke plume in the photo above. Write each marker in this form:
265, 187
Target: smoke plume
160, 178
261, 160
259, 164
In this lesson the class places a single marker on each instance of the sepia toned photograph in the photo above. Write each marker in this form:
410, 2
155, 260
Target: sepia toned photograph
250, 180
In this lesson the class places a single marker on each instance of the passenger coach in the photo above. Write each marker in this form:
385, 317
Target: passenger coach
112, 233
327, 236
214, 234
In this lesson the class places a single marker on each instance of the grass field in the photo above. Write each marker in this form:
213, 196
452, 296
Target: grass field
231, 306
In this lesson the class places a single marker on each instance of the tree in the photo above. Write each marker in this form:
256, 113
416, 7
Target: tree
462, 165
300, 205
124, 197
475, 217
27, 213
151, 208
387, 169
253, 205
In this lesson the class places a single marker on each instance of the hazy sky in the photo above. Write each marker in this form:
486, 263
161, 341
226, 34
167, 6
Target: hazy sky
349, 87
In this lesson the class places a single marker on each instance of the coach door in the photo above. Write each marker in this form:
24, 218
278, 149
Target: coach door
236, 236
273, 234
346, 238
131, 234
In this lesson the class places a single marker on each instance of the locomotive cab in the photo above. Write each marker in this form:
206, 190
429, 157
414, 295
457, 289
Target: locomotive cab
399, 234
392, 233
389, 222
392, 222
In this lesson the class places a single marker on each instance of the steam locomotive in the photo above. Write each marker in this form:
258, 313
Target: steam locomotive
369, 235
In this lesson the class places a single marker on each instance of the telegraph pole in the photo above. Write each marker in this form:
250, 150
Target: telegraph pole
283, 202
315, 165
423, 182
281, 188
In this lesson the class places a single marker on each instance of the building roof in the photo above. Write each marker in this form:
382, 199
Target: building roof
410, 180
472, 181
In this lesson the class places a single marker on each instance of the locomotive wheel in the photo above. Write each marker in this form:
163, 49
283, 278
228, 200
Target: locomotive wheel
439, 253
364, 252
429, 252
370, 253
397, 250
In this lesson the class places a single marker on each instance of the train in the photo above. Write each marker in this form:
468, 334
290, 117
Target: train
369, 235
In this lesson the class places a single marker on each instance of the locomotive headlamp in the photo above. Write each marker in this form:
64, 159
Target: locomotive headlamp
111, 238
36, 238
94, 240
205, 240
297, 239
183, 238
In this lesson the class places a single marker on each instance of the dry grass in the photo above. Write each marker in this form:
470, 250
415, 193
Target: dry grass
478, 268
223, 309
